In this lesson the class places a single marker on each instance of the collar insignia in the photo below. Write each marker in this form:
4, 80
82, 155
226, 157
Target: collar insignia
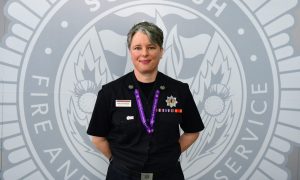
162, 87
171, 101
130, 86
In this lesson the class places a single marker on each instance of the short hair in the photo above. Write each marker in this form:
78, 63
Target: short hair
154, 33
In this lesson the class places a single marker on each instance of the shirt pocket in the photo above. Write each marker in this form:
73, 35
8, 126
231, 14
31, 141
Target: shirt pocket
124, 117
125, 125
167, 120
167, 127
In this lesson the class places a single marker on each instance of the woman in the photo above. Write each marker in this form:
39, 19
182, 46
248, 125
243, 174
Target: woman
136, 119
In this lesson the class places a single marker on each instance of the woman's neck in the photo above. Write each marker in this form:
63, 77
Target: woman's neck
146, 77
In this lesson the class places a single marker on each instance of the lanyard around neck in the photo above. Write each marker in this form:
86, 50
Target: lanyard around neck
150, 127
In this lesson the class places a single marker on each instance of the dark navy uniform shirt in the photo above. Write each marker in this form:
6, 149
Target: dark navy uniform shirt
120, 123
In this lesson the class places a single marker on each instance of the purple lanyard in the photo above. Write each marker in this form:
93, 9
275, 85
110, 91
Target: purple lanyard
150, 127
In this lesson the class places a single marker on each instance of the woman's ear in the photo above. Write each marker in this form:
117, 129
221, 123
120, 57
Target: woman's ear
161, 52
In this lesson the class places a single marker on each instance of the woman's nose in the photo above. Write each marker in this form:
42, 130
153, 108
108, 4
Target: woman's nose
145, 52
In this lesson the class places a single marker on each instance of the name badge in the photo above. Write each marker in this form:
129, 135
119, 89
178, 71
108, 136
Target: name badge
123, 103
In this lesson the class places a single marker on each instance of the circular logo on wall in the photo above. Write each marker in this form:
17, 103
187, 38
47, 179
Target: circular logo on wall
234, 55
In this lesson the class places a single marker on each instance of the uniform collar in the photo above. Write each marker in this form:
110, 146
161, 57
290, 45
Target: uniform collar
159, 82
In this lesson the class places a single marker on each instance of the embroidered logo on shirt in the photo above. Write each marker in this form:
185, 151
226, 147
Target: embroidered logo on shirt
171, 101
123, 103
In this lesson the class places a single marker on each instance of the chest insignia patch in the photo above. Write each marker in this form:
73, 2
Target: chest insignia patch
171, 101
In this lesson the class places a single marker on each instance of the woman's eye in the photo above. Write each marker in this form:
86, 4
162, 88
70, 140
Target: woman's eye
152, 47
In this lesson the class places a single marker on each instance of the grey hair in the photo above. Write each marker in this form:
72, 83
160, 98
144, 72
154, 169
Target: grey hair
154, 33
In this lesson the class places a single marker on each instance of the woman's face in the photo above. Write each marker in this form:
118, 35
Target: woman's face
145, 56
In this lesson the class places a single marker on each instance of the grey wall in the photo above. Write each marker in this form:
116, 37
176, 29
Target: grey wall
294, 158
2, 31
293, 163
2, 19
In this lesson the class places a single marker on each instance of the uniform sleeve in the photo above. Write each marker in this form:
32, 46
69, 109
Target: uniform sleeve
100, 122
191, 120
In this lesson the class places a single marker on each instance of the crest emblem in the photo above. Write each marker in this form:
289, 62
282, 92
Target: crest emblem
171, 101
